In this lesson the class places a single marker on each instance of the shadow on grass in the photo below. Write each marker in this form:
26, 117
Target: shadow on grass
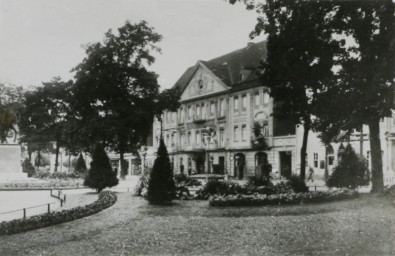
197, 208
202, 209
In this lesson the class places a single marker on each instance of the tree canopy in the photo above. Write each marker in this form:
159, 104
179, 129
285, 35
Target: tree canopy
299, 59
114, 91
331, 60
45, 116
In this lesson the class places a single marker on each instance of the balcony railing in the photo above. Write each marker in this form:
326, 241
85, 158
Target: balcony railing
198, 119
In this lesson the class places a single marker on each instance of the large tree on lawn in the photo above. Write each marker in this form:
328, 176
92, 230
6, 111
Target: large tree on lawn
45, 116
114, 91
299, 60
363, 91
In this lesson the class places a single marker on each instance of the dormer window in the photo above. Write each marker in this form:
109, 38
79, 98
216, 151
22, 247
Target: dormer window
244, 73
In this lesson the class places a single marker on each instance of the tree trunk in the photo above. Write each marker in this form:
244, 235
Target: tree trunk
121, 158
69, 162
30, 156
377, 160
56, 156
38, 159
303, 150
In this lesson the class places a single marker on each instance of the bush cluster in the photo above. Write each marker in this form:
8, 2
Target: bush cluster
106, 199
279, 199
297, 184
28, 168
351, 172
216, 187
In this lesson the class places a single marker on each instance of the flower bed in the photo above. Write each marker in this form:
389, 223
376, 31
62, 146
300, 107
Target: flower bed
106, 199
279, 199
43, 184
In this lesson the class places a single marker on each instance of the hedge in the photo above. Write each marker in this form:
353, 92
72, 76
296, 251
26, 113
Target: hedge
279, 199
106, 199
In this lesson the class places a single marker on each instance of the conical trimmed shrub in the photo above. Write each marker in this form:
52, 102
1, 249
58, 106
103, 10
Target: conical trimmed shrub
80, 167
161, 186
100, 174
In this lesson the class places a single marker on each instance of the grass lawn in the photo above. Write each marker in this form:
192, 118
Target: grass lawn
363, 226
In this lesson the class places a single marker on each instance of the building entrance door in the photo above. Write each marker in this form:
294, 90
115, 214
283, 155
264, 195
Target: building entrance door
200, 165
239, 165
286, 164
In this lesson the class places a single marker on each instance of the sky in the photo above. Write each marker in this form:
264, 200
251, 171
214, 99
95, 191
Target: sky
41, 39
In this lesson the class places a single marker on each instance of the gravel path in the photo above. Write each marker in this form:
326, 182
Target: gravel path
75, 200
364, 226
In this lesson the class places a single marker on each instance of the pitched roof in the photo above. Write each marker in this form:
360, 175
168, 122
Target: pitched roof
228, 67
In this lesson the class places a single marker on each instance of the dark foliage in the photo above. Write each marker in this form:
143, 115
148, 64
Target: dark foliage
41, 160
280, 199
80, 166
28, 168
298, 185
100, 174
217, 187
161, 186
351, 172
257, 182
259, 140
114, 91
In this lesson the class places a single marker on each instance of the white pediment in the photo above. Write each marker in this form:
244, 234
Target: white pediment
203, 82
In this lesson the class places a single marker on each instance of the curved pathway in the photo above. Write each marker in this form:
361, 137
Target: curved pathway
364, 226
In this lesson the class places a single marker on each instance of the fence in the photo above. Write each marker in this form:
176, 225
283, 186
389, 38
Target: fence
24, 211
317, 188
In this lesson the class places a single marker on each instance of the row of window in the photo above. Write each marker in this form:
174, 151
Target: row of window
200, 137
240, 133
219, 107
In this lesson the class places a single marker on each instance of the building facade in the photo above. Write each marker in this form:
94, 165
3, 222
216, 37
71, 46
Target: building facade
225, 121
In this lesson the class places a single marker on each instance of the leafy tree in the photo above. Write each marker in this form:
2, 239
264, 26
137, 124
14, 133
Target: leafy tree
259, 140
299, 60
363, 91
161, 186
45, 116
351, 172
114, 91
80, 166
100, 174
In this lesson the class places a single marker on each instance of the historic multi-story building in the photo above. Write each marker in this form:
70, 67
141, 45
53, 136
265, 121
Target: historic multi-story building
224, 123
222, 103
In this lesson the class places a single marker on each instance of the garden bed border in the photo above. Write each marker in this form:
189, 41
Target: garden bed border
105, 200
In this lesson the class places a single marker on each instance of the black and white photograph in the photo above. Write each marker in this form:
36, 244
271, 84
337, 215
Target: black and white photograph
197, 127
